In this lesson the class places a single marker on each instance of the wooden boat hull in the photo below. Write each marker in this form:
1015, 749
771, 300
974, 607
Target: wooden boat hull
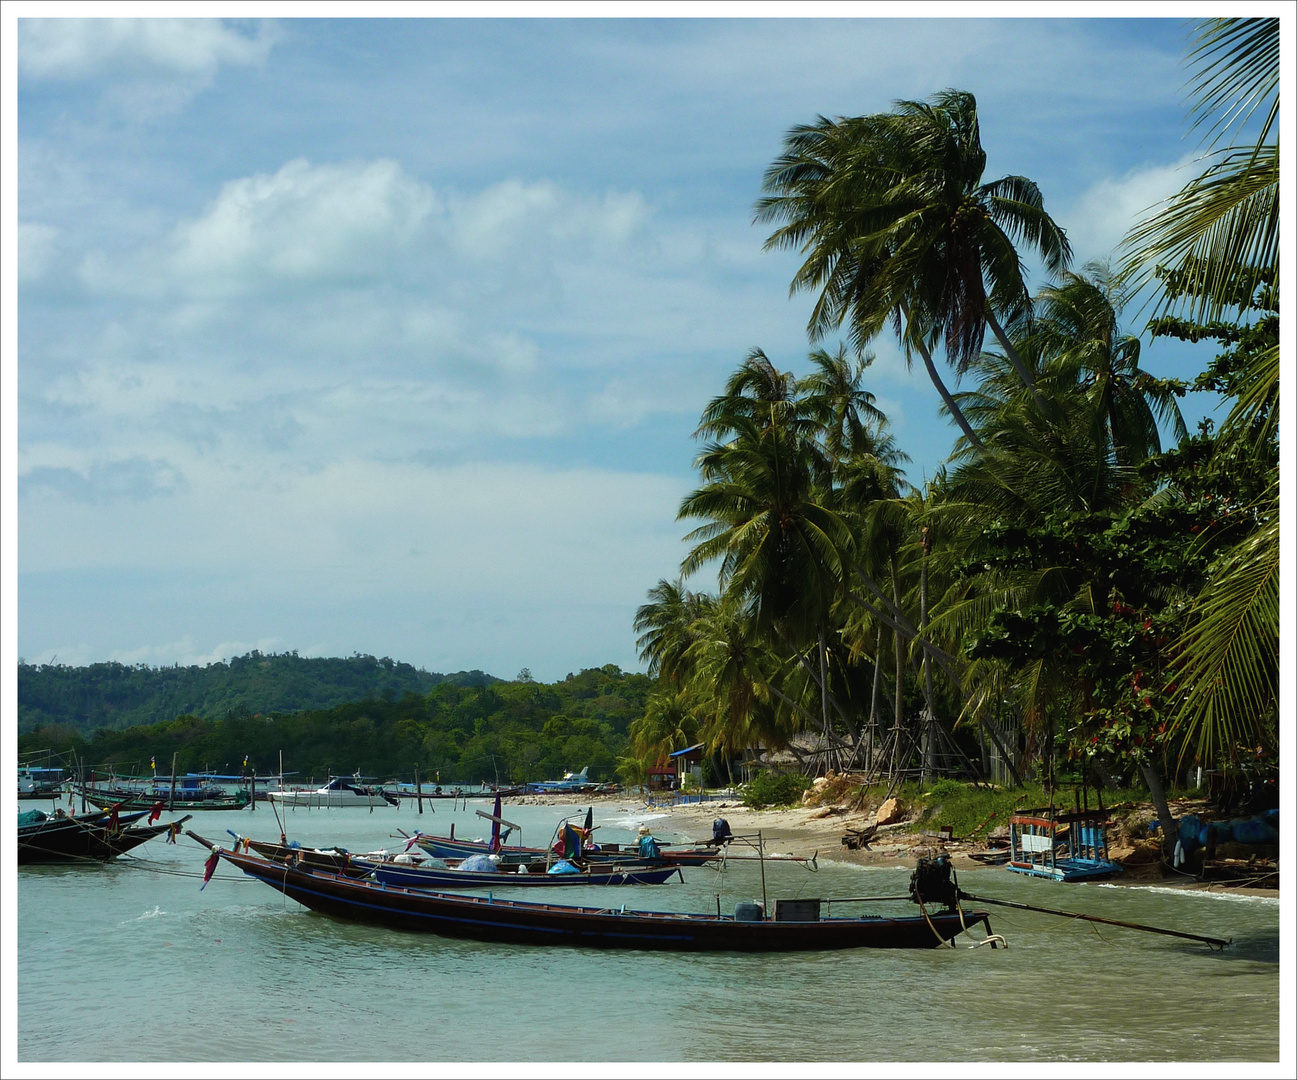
334, 861
423, 877
85, 839
1060, 847
513, 921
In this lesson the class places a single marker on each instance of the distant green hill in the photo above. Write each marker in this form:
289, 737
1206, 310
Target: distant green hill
119, 696
466, 728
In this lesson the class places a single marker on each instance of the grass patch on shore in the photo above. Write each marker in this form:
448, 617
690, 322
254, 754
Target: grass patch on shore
973, 812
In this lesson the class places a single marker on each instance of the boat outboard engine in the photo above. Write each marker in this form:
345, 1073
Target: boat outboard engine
721, 832
933, 882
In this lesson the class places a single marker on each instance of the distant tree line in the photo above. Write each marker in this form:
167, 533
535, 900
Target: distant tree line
510, 731
120, 696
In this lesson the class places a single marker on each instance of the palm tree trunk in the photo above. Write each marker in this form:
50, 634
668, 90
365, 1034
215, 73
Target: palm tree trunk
1028, 380
899, 720
1158, 794
873, 696
956, 413
929, 723
824, 690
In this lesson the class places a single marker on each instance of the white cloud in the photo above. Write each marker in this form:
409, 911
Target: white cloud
76, 49
1101, 216
306, 223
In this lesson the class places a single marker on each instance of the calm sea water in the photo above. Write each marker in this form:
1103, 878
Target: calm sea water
242, 974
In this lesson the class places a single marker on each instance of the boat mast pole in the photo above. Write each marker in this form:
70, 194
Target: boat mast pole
172, 804
761, 854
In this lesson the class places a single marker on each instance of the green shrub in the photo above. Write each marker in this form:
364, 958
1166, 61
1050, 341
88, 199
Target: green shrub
945, 788
773, 789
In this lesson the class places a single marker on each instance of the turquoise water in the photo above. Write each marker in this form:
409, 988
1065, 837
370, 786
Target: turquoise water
242, 974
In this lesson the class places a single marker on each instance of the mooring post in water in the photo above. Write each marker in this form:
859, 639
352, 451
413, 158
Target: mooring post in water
172, 804
252, 805
418, 787
1217, 943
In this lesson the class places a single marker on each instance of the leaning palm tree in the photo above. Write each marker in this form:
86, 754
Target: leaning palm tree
896, 225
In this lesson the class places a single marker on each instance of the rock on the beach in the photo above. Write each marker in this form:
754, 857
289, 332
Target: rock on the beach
889, 812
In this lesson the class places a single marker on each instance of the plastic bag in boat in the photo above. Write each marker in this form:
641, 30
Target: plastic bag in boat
479, 863
563, 867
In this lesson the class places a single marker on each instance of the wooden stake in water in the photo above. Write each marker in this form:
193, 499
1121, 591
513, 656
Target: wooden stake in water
418, 787
174, 756
761, 853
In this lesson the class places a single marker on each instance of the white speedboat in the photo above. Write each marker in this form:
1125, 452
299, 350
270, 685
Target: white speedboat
340, 791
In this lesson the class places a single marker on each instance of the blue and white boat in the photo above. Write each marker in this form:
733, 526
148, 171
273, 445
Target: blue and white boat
339, 791
1061, 847
572, 782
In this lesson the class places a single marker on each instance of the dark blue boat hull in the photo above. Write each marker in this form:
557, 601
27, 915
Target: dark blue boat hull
511, 921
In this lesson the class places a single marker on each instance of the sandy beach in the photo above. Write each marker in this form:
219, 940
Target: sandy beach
819, 830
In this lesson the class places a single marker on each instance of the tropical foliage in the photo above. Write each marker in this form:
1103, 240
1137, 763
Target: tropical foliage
1085, 586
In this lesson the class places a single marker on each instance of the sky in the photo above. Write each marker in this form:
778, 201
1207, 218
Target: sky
390, 337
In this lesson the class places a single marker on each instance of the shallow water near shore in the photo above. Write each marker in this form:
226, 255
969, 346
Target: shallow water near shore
131, 962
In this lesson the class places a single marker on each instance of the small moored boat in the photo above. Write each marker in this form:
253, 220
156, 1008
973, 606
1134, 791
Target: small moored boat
1062, 847
339, 791
97, 837
435, 877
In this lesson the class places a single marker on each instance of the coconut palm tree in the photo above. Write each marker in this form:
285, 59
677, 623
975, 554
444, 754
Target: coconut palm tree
1082, 345
665, 628
896, 225
849, 423
767, 525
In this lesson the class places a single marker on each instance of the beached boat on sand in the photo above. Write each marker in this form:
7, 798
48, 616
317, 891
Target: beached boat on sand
796, 926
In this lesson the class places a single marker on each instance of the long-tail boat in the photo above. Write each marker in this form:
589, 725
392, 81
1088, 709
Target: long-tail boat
796, 925
403, 870
97, 837
190, 794
569, 841
436, 877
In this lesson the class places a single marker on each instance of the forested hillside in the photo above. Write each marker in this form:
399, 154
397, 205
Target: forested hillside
120, 696
515, 731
